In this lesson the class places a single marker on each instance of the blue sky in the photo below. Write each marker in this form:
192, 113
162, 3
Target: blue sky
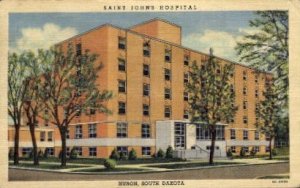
200, 30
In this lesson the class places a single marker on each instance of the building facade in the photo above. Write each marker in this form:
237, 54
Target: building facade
146, 68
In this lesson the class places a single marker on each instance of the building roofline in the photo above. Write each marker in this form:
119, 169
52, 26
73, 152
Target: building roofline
155, 19
161, 40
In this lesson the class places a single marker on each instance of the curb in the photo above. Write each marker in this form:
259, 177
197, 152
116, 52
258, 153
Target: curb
146, 171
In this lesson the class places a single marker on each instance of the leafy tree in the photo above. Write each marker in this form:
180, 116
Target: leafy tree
70, 87
169, 152
211, 99
267, 111
114, 155
73, 153
267, 49
160, 153
132, 155
17, 87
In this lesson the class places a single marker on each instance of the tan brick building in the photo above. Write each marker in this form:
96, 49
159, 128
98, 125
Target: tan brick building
146, 66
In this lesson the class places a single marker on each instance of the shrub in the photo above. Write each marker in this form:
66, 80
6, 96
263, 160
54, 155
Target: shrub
132, 155
169, 152
114, 155
123, 156
11, 154
160, 153
242, 152
73, 153
274, 151
40, 154
109, 164
229, 153
252, 152
46, 154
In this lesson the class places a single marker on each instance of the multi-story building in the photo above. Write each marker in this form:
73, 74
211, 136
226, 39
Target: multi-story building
146, 68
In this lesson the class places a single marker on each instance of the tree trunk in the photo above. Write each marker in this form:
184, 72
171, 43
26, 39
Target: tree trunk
16, 144
34, 144
212, 146
63, 147
270, 146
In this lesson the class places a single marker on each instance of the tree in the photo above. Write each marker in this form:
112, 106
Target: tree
32, 100
267, 113
17, 88
169, 152
70, 87
267, 49
210, 97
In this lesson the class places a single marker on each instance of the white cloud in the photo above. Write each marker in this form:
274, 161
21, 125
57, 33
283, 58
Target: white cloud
42, 37
223, 43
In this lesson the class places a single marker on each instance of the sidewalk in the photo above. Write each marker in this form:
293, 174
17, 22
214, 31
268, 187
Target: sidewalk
151, 167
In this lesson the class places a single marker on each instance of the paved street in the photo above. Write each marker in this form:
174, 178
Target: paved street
237, 172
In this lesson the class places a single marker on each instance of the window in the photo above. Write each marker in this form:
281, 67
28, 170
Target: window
207, 147
233, 149
121, 130
50, 151
185, 96
244, 75
93, 130
79, 150
256, 135
186, 114
245, 105
267, 136
256, 93
245, 134
167, 74
145, 110
78, 110
42, 136
122, 64
50, 136
167, 55
122, 108
167, 112
256, 78
68, 152
167, 93
145, 130
232, 134
146, 89
256, 149
245, 120
68, 134
122, 149
186, 60
122, 86
146, 49
246, 149
122, 43
146, 70
26, 151
146, 151
92, 151
78, 131
179, 133
78, 49
244, 91
267, 149
186, 78
46, 122
203, 133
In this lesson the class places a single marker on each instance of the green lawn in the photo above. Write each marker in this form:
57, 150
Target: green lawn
112, 170
46, 166
283, 151
100, 161
190, 165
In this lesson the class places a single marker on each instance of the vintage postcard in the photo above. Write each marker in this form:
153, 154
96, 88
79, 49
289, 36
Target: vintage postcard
145, 93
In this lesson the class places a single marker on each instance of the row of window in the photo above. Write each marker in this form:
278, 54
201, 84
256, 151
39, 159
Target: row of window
246, 149
146, 151
246, 135
43, 136
27, 151
122, 131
